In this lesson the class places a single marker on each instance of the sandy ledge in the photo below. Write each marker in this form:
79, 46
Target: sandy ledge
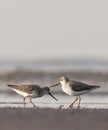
53, 119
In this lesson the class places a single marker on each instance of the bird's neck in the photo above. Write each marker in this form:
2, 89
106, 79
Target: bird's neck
44, 91
64, 83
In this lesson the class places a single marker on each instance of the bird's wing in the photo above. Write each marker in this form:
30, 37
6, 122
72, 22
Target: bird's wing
25, 88
79, 86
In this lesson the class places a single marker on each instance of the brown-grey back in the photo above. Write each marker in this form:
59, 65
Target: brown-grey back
26, 88
79, 86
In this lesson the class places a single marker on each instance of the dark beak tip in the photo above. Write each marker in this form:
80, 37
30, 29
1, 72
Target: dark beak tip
52, 96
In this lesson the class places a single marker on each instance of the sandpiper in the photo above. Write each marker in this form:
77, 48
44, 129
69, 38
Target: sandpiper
75, 88
31, 91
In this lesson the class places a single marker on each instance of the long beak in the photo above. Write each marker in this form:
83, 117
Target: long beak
52, 96
55, 85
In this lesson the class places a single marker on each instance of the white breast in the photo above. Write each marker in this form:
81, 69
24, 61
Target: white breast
67, 90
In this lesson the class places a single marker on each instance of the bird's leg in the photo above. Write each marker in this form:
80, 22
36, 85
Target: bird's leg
71, 105
24, 101
32, 103
79, 101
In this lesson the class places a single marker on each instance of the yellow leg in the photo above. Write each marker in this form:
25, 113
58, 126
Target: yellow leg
24, 101
71, 105
79, 101
32, 103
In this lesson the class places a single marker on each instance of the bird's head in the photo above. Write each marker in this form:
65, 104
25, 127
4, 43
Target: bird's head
64, 80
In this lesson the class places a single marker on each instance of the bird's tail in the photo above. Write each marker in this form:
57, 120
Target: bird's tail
95, 87
12, 86
9, 85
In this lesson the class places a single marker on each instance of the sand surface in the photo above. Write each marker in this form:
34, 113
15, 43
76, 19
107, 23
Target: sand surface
53, 119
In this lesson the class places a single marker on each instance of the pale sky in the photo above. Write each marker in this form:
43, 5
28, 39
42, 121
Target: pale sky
38, 29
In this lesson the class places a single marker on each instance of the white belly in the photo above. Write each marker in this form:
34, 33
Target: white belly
69, 91
21, 93
78, 93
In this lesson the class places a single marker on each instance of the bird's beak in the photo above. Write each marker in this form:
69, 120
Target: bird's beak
52, 96
55, 85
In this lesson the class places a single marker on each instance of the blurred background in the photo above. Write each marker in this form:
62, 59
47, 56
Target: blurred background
42, 40
37, 30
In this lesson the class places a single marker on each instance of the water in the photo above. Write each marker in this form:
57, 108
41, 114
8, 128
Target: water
56, 65
88, 101
96, 99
